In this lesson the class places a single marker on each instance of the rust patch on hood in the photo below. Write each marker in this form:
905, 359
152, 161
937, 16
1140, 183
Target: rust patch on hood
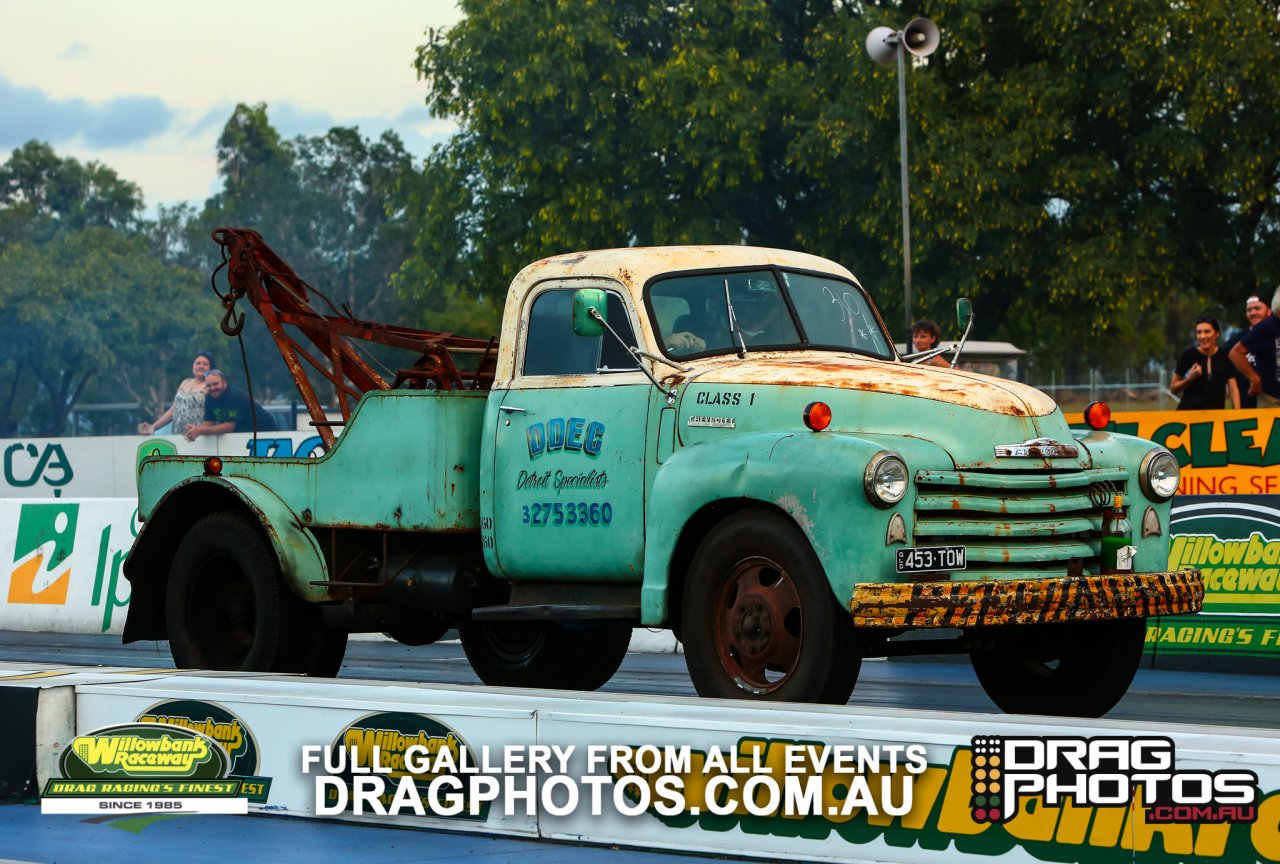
953, 386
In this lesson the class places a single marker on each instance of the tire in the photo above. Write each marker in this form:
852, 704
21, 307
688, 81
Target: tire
759, 619
224, 608
549, 654
307, 646
1077, 669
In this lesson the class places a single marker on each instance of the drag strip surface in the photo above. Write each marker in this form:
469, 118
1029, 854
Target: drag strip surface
934, 685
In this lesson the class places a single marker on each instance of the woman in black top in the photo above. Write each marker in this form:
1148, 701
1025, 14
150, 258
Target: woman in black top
1203, 376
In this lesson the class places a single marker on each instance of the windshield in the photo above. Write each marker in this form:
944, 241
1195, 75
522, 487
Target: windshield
771, 310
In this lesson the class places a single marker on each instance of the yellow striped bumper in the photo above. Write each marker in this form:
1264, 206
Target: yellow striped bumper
1026, 601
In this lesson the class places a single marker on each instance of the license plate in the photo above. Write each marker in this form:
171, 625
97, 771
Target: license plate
928, 559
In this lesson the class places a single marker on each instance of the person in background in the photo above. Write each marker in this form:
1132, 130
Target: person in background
1255, 309
227, 409
925, 336
1255, 356
188, 403
1203, 376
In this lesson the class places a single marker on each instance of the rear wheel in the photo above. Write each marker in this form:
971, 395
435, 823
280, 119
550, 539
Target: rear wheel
225, 608
1076, 669
759, 620
560, 655
308, 647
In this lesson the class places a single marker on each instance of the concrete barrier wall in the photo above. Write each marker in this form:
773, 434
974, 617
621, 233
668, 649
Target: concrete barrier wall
928, 812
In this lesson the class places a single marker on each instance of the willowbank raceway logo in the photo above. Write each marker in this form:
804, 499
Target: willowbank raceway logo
46, 538
143, 768
370, 768
226, 728
1105, 772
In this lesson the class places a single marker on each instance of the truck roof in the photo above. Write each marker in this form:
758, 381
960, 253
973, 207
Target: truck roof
634, 266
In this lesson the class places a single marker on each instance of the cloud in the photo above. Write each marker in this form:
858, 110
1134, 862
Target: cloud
31, 113
291, 121
75, 51
417, 129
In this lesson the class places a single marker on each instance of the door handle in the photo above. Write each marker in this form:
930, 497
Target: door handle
511, 409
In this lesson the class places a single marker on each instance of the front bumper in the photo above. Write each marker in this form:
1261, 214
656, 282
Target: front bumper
1026, 601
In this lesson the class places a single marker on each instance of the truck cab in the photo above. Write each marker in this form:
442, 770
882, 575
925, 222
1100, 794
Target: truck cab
722, 441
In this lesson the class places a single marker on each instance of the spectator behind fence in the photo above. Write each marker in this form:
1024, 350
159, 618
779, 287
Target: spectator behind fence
1255, 356
228, 409
1203, 376
1255, 309
188, 403
925, 336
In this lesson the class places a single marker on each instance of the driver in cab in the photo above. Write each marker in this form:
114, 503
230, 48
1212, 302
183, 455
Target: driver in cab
760, 313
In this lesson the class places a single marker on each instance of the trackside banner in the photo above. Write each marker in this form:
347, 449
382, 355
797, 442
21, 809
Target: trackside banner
1226, 521
773, 782
60, 564
107, 467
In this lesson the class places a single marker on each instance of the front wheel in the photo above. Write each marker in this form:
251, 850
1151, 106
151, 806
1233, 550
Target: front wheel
759, 620
1076, 669
559, 655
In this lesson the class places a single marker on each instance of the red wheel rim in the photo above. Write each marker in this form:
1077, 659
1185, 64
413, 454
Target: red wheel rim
758, 625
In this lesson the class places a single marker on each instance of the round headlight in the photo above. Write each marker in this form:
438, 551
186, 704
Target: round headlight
1159, 475
885, 479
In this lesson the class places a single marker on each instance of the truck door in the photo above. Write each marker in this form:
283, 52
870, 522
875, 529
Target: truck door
568, 480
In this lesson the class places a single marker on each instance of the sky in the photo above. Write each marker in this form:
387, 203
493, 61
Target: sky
145, 86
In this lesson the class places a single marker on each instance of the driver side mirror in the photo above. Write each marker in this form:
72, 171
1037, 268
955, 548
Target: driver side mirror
964, 311
584, 300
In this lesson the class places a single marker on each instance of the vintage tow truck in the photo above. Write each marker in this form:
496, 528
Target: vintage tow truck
718, 440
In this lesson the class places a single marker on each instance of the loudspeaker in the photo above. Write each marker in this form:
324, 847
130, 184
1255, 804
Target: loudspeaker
920, 37
882, 44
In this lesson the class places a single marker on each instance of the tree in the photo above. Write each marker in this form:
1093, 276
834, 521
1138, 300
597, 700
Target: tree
92, 305
88, 301
1072, 164
326, 204
42, 193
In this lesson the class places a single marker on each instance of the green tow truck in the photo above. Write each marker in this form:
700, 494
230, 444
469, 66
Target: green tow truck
722, 441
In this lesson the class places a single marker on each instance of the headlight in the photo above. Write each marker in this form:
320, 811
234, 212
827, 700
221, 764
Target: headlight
1159, 475
885, 479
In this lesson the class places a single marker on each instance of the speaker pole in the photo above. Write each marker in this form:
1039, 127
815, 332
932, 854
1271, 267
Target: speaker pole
906, 195
920, 37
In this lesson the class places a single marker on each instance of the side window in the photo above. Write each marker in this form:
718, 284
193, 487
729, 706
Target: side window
552, 348
615, 357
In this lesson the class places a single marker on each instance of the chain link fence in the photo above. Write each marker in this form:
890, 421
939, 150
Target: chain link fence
1123, 390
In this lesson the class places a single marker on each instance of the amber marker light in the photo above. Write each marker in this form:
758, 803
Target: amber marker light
817, 416
213, 466
1097, 415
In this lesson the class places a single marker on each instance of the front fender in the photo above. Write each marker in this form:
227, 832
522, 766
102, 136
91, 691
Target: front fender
147, 567
815, 478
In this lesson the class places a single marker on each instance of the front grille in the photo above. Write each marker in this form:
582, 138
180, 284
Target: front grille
1017, 525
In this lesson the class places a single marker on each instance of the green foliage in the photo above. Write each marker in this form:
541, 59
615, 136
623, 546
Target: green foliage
87, 301
90, 307
1074, 165
41, 194
324, 203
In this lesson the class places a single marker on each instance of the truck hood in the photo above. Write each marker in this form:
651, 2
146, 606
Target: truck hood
965, 413
954, 386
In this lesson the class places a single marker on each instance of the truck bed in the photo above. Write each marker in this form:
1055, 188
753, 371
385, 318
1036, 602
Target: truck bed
407, 460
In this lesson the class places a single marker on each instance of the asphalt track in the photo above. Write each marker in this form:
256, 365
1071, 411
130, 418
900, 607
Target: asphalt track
1197, 698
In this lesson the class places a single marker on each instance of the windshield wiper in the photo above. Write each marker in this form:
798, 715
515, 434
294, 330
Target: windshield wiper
733, 323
